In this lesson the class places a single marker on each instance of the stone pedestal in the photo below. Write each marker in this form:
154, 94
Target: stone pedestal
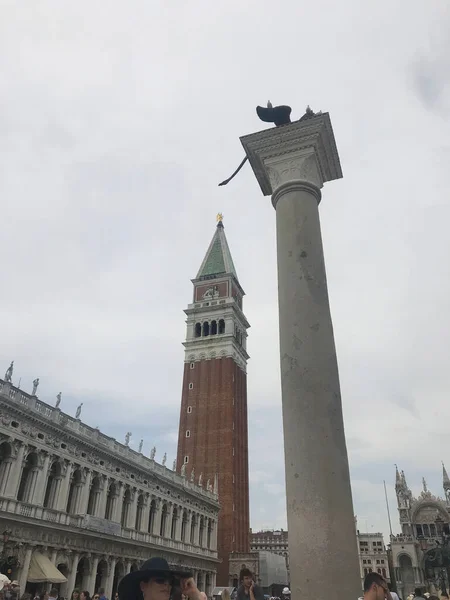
291, 163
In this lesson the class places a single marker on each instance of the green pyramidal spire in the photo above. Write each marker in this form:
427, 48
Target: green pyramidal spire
218, 259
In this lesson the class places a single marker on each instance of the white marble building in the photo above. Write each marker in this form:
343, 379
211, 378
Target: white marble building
425, 524
91, 506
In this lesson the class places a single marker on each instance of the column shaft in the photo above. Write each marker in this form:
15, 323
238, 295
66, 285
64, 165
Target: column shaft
93, 575
319, 502
110, 580
72, 574
24, 570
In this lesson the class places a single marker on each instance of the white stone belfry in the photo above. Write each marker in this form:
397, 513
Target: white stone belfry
292, 163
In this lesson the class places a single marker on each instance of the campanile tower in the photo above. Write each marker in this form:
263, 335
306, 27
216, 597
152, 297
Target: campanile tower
213, 437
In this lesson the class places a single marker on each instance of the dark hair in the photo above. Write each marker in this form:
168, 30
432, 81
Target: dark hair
418, 592
25, 596
53, 593
86, 595
372, 578
245, 573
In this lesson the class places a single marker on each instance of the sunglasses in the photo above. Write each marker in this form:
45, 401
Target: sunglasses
162, 580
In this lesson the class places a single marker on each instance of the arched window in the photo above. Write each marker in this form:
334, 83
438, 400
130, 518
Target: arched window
139, 512
151, 516
384, 573
205, 328
5, 464
173, 529
53, 485
221, 326
94, 496
28, 479
198, 330
162, 529
193, 528
111, 499
74, 491
184, 524
126, 507
213, 327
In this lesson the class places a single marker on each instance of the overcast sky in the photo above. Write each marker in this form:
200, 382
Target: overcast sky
118, 120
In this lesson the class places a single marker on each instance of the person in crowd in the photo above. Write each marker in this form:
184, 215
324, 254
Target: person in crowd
248, 590
43, 596
96, 597
116, 596
418, 594
53, 594
25, 596
394, 595
75, 594
155, 580
225, 594
85, 596
376, 588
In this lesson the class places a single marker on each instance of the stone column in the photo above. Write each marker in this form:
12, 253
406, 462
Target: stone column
41, 484
127, 567
101, 509
131, 520
24, 569
213, 545
110, 580
158, 517
291, 163
72, 574
93, 575
179, 523
145, 513
82, 504
118, 502
15, 473
62, 497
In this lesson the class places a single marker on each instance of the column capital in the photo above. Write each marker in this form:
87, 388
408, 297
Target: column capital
303, 150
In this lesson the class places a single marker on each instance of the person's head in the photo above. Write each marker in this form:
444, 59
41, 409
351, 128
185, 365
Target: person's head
157, 588
226, 594
75, 594
418, 592
246, 576
53, 593
116, 596
375, 587
25, 596
101, 591
85, 595
95, 597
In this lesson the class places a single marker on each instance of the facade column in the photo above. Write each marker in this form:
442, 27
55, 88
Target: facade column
213, 580
15, 473
82, 502
73, 574
41, 484
158, 517
292, 163
168, 528
25, 568
145, 513
110, 579
118, 501
127, 567
178, 524
101, 509
213, 545
93, 575
64, 486
131, 520
5, 469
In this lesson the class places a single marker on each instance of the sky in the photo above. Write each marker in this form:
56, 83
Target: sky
118, 120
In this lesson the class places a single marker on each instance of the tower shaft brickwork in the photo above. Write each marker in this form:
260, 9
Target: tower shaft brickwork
213, 432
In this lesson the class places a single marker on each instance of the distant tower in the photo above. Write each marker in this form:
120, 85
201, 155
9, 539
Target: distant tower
446, 483
213, 437
404, 497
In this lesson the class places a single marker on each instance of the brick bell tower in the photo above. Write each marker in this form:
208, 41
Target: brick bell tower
213, 437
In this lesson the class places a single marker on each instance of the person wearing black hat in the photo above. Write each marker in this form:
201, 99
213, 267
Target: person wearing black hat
154, 581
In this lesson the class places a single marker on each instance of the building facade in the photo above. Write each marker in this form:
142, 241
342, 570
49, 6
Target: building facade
421, 553
373, 556
275, 541
74, 499
213, 438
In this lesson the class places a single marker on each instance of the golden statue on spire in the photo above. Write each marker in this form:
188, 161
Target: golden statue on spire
219, 217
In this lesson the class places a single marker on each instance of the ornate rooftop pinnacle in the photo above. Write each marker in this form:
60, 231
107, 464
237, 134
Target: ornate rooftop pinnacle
217, 261
445, 478
398, 479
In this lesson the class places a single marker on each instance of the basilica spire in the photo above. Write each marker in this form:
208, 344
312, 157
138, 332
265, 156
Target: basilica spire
217, 261
445, 478
398, 479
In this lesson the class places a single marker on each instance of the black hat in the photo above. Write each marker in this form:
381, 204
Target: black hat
129, 587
